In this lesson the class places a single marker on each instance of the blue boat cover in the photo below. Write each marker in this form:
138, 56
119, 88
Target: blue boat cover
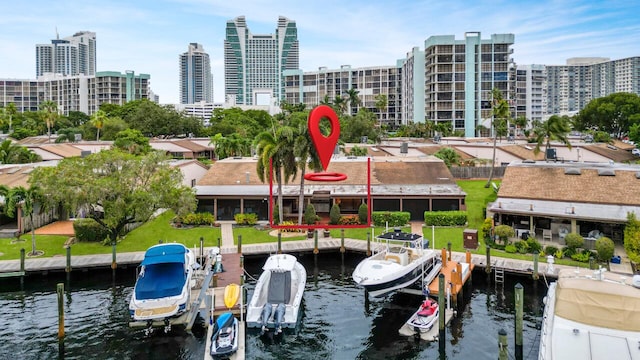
166, 253
161, 280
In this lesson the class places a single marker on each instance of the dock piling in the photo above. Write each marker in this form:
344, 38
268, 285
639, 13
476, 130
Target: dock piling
201, 251
114, 264
368, 244
535, 274
239, 244
443, 255
22, 255
487, 268
60, 292
442, 311
503, 353
449, 250
279, 242
519, 299
315, 243
67, 269
219, 243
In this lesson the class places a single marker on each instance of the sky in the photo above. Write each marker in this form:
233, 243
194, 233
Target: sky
147, 36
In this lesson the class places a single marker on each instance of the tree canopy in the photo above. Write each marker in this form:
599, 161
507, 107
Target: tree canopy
614, 114
115, 188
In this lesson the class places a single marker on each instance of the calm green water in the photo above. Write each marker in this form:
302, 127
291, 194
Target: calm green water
337, 322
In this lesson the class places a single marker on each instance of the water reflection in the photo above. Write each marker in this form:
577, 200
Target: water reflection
338, 321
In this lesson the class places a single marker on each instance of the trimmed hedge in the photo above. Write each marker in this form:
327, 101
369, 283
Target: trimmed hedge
391, 218
201, 218
89, 230
445, 218
363, 213
246, 219
334, 214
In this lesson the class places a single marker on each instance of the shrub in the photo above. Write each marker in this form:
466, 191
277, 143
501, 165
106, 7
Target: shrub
363, 213
582, 256
604, 247
390, 218
89, 230
445, 218
511, 249
290, 230
574, 240
504, 232
246, 219
550, 250
568, 251
534, 245
349, 220
559, 254
334, 214
310, 216
522, 246
202, 218
487, 225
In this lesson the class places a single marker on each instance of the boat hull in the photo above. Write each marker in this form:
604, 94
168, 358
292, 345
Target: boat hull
261, 295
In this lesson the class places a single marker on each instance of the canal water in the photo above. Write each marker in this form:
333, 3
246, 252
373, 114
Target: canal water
338, 322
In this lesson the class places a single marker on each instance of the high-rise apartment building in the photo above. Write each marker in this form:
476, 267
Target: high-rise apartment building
196, 81
26, 95
460, 75
73, 55
312, 88
412, 83
530, 100
254, 64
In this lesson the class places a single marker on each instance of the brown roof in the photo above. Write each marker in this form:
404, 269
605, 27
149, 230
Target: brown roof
432, 149
403, 171
549, 182
522, 152
611, 151
13, 176
64, 150
188, 144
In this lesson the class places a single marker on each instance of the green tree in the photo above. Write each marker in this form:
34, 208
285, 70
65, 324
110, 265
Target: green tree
500, 112
363, 213
605, 248
310, 214
98, 119
334, 214
11, 153
555, 128
353, 128
613, 114
340, 104
521, 123
353, 100
49, 113
448, 155
382, 101
25, 199
68, 135
8, 113
132, 141
230, 145
276, 147
632, 238
115, 188
305, 153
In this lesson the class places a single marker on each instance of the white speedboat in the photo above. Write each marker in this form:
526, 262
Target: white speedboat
276, 299
591, 315
399, 261
163, 288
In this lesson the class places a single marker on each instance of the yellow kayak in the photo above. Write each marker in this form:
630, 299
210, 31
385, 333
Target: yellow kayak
231, 294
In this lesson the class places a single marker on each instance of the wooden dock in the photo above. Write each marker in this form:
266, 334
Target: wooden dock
455, 273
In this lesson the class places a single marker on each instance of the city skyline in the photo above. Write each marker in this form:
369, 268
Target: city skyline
148, 37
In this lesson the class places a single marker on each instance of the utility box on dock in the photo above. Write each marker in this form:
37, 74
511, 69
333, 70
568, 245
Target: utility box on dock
470, 238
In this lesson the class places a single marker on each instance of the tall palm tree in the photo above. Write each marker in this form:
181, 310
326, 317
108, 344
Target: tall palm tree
276, 146
340, 104
325, 100
49, 111
555, 128
353, 99
25, 199
500, 111
305, 153
98, 119
9, 112
521, 122
382, 101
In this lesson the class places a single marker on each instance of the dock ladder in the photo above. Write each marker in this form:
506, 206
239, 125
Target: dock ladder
499, 275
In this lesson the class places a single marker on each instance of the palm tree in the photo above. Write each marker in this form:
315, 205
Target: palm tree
353, 99
325, 100
340, 104
277, 147
26, 199
500, 111
521, 122
305, 152
98, 119
9, 112
49, 111
555, 128
382, 101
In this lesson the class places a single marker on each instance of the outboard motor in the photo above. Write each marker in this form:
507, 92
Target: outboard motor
278, 317
265, 315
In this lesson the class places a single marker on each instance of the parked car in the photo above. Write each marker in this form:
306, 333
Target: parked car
635, 152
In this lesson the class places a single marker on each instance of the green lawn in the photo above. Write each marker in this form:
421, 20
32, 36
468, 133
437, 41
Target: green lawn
160, 228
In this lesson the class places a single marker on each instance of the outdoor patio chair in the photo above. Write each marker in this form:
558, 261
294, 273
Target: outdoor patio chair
546, 234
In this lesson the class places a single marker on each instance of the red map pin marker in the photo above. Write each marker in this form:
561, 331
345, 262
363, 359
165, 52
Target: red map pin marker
324, 144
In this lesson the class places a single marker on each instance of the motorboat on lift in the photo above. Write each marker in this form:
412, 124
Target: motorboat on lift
163, 287
400, 260
276, 299
591, 315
